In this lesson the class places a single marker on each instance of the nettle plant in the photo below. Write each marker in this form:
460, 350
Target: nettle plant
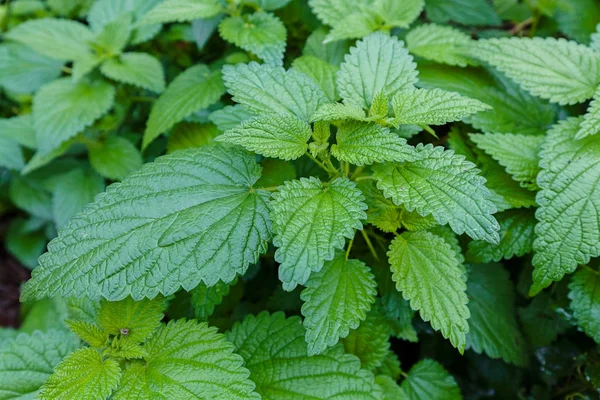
323, 211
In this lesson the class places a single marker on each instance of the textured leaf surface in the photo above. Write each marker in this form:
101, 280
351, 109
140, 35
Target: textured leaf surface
310, 221
269, 88
591, 120
280, 136
229, 117
378, 63
82, 375
568, 231
399, 13
139, 318
493, 324
187, 359
427, 273
61, 109
433, 106
27, 360
361, 143
340, 112
205, 298
181, 10
321, 72
517, 153
331, 12
585, 301
192, 90
443, 44
25, 71
72, 191
369, 342
561, 71
336, 299
138, 69
444, 185
115, 158
429, 380
275, 352
260, 33
516, 237
354, 26
142, 236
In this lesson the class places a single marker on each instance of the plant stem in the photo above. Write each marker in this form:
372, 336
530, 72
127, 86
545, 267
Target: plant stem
6, 17
269, 188
349, 248
369, 244
319, 163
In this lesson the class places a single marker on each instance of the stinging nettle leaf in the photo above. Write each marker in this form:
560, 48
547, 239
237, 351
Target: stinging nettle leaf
115, 157
591, 119
336, 299
443, 44
25, 71
135, 320
428, 379
466, 12
321, 72
310, 221
443, 184
584, 294
138, 69
369, 342
142, 236
181, 10
399, 13
331, 12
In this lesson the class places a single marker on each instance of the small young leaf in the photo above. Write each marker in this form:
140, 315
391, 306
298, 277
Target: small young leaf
339, 112
88, 332
205, 298
138, 69
585, 301
135, 320
427, 379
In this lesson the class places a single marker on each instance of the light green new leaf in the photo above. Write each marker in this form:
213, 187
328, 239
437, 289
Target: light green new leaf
332, 12
427, 379
260, 33
519, 154
493, 323
82, 375
354, 26
443, 44
433, 106
25, 71
280, 136
591, 119
72, 191
62, 108
27, 360
269, 88
584, 292
187, 359
310, 221
142, 236
362, 143
134, 320
321, 72
89, 332
516, 237
466, 12
192, 90
399, 13
561, 71
181, 10
115, 158
444, 185
55, 38
427, 272
138, 69
378, 63
114, 36
369, 342
340, 112
275, 352
336, 299
205, 298
568, 231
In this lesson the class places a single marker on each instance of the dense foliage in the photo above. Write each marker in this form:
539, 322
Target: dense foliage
289, 199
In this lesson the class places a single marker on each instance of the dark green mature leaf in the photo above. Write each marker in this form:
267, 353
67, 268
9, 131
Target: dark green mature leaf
466, 12
585, 301
147, 230
429, 380
115, 158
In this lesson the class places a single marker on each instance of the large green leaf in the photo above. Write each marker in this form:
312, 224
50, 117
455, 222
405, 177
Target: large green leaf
25, 71
142, 237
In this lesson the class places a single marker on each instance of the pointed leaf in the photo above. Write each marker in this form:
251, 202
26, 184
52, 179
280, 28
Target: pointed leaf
427, 379
443, 44
135, 320
115, 158
138, 69
591, 120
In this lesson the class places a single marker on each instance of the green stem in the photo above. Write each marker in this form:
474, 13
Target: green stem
269, 188
365, 235
319, 163
428, 129
6, 17
67, 70
349, 248
357, 171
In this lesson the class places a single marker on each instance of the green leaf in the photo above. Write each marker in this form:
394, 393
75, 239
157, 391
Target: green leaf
138, 69
433, 106
84, 66
89, 332
19, 129
591, 119
30, 195
230, 116
427, 379
332, 52
517, 153
398, 315
115, 158
595, 39
187, 135
310, 221
24, 243
584, 293
62, 108
135, 320
72, 191
568, 231
442, 44
25, 71
181, 10
321, 72
516, 237
212, 369
268, 5
493, 324
269, 88
444, 185
578, 18
55, 38
466, 12
561, 71
205, 298
27, 360
82, 375
11, 155
378, 63
260, 33
281, 136
331, 12
152, 245
427, 273
369, 342
340, 112
336, 299
192, 90
115, 35
399, 13
354, 26
275, 352
543, 320
361, 143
